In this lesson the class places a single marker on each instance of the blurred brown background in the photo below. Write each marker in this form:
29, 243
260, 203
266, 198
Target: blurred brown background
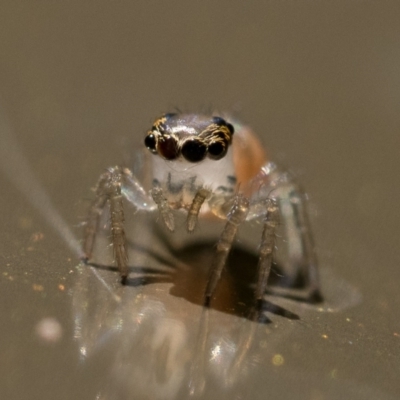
318, 80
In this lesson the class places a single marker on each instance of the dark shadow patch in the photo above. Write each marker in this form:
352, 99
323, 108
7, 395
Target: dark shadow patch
188, 268
235, 290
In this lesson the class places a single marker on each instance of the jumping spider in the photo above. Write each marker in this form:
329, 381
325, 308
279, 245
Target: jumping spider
205, 165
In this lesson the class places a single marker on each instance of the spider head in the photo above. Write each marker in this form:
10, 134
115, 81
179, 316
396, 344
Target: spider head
189, 137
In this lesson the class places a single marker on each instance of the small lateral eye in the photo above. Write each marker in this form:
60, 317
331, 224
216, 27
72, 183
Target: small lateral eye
169, 115
217, 150
150, 142
194, 150
219, 121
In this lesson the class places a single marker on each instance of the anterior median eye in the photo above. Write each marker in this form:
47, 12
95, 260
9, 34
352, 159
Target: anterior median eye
217, 150
150, 142
194, 150
168, 147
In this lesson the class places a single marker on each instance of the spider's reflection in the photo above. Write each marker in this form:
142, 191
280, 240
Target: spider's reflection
158, 340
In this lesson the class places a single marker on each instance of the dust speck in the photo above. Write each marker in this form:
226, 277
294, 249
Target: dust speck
36, 237
278, 360
49, 330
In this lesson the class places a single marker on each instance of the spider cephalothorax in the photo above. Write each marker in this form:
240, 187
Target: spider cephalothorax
189, 136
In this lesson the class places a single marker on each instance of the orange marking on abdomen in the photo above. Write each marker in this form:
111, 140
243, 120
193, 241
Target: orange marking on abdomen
248, 155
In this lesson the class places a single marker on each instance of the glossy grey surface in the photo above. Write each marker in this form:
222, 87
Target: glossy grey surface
81, 81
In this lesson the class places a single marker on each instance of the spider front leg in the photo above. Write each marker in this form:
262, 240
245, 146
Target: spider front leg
108, 189
163, 207
236, 216
113, 186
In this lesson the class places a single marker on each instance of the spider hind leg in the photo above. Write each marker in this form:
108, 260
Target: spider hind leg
287, 233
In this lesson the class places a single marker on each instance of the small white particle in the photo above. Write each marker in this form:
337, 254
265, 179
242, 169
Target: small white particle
49, 330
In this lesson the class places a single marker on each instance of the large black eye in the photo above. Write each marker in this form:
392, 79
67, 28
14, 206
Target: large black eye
217, 150
150, 142
168, 147
194, 150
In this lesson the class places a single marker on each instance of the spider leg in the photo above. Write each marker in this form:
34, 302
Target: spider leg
117, 224
298, 260
92, 222
310, 269
113, 186
194, 210
162, 204
236, 216
267, 246
294, 214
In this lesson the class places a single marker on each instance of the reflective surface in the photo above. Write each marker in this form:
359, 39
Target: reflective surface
80, 84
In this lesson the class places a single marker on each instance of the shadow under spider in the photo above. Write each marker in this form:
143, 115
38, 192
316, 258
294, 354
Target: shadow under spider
187, 269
